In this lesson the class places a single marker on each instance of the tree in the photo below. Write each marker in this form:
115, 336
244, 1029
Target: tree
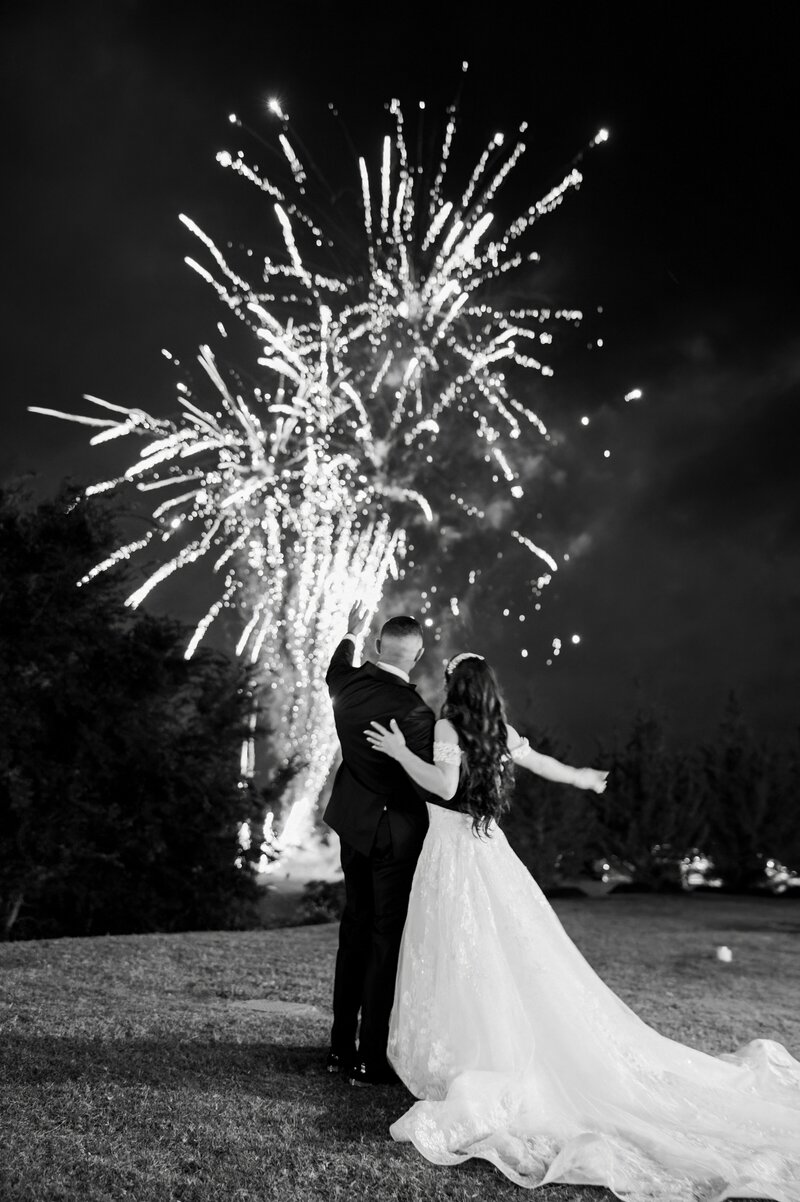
786, 775
549, 823
120, 795
751, 808
652, 813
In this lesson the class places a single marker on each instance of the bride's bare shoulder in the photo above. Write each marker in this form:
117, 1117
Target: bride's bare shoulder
444, 731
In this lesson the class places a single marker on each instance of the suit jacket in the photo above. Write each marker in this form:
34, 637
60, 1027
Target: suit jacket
369, 783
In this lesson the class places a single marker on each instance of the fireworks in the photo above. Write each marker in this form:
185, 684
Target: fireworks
381, 360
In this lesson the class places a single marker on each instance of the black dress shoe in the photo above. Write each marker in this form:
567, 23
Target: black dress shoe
337, 1062
362, 1075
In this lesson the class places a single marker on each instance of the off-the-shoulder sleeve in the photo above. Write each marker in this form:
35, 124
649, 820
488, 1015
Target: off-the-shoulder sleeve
518, 753
446, 753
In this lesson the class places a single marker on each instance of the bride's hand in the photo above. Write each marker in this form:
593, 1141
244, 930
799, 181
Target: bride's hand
390, 742
592, 778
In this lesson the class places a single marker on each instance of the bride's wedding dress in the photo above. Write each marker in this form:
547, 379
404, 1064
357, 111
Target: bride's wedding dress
522, 1056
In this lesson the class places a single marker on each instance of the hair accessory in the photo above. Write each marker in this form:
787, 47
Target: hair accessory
459, 659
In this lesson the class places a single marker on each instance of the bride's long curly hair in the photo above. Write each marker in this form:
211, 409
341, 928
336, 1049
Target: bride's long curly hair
474, 706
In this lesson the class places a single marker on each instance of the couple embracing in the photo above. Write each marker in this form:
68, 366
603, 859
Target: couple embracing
455, 976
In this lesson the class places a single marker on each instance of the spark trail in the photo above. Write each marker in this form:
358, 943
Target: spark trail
381, 359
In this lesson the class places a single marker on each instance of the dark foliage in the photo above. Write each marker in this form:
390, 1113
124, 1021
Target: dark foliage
734, 799
550, 825
322, 901
752, 804
653, 812
120, 797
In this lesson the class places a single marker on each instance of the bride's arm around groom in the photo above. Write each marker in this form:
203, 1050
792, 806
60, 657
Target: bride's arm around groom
441, 778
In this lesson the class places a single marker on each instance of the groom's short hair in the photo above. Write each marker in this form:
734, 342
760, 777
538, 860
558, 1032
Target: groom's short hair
401, 627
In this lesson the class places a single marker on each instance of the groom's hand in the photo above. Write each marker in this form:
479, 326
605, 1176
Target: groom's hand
358, 619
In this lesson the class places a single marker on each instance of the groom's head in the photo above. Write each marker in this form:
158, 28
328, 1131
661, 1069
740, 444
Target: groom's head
400, 642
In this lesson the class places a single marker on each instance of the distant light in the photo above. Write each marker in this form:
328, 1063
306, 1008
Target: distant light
607, 454
429, 621
634, 395
601, 136
576, 638
234, 120
517, 491
274, 106
524, 653
584, 421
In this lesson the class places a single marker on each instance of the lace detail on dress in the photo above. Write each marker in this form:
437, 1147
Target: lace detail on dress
446, 753
520, 751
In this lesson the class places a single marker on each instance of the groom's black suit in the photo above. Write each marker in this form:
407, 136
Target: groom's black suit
381, 821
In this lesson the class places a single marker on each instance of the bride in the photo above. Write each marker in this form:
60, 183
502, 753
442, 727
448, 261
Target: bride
518, 1052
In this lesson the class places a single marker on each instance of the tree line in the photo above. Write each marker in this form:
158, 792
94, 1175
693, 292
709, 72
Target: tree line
122, 800
733, 798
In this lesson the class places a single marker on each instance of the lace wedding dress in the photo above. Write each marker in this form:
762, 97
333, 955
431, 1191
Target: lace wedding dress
522, 1056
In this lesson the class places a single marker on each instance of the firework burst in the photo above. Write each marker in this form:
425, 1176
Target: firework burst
376, 365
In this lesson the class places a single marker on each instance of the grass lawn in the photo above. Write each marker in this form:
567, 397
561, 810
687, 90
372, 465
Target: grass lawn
128, 1072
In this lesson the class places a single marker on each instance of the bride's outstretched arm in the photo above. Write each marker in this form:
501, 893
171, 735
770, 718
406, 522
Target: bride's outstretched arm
522, 753
440, 778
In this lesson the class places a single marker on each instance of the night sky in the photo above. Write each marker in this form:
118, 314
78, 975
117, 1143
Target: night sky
684, 572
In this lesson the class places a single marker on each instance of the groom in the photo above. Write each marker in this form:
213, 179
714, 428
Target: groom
381, 821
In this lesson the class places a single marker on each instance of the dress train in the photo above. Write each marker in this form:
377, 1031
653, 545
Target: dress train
522, 1056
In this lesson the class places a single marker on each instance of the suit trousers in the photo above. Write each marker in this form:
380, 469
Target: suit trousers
377, 889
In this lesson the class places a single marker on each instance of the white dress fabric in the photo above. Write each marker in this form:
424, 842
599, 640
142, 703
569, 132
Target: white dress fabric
520, 1054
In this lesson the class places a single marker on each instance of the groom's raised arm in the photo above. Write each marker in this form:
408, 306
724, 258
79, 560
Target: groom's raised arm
341, 662
342, 659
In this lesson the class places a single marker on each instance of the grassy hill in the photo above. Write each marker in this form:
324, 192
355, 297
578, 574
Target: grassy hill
131, 1070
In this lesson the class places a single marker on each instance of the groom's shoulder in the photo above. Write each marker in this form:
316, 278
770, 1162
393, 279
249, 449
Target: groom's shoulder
417, 708
401, 692
344, 674
420, 703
